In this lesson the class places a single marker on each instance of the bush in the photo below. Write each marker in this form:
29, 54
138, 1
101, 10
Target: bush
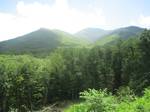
141, 104
125, 94
95, 101
101, 101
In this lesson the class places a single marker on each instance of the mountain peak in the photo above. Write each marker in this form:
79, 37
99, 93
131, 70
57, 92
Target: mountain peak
43, 29
123, 33
41, 40
130, 28
90, 28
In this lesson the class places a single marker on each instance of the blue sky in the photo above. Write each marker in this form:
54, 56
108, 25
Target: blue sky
18, 17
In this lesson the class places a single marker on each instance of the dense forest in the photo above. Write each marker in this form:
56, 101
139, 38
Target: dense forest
111, 78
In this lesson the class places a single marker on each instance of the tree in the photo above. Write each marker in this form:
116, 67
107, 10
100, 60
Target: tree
117, 66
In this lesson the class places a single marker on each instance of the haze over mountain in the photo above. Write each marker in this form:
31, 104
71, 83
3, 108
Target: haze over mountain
44, 40
91, 34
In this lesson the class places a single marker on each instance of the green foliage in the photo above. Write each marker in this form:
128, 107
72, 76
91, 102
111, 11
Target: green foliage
95, 101
27, 83
125, 94
20, 85
82, 107
100, 101
138, 105
106, 39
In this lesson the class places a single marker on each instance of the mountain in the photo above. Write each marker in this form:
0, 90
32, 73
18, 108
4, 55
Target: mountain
121, 33
42, 40
68, 39
91, 34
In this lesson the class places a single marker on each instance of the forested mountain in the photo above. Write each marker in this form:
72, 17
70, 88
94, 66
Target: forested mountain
40, 41
69, 40
121, 33
44, 40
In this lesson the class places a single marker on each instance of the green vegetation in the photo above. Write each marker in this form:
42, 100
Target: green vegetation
68, 40
123, 33
40, 41
44, 41
28, 83
107, 39
102, 101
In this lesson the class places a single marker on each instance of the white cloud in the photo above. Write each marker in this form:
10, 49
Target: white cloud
144, 21
32, 16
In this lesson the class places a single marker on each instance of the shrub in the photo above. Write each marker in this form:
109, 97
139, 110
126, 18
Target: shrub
102, 101
95, 101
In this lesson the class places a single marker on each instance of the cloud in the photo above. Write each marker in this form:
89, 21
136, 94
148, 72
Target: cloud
60, 15
144, 21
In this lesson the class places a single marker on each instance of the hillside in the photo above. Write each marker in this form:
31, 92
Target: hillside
91, 34
121, 33
42, 40
70, 40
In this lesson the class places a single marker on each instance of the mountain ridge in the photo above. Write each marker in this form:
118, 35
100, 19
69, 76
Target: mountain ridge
122, 33
45, 40
39, 40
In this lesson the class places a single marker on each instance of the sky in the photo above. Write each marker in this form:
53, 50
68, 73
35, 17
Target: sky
18, 17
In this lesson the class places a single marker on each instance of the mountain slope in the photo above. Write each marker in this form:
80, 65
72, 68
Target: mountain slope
121, 33
42, 40
91, 34
70, 40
